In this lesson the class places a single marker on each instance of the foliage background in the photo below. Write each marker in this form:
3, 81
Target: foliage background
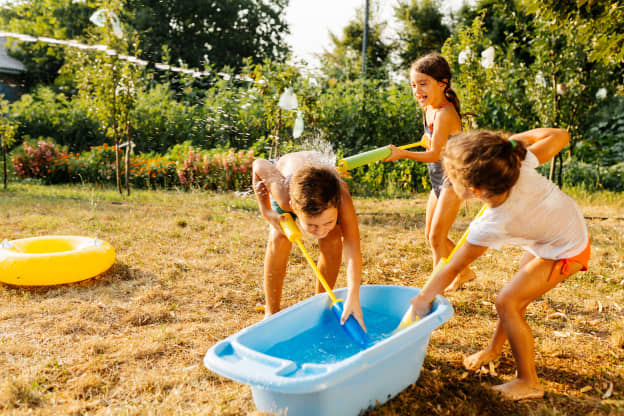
541, 74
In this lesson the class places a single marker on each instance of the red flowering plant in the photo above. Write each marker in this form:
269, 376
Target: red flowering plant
216, 170
38, 161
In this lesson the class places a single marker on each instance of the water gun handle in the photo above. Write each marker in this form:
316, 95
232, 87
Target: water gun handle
407, 319
290, 228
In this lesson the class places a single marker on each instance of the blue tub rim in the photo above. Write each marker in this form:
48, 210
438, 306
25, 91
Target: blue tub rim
333, 373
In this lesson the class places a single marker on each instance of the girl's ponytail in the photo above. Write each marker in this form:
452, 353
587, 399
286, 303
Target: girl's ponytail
517, 149
452, 97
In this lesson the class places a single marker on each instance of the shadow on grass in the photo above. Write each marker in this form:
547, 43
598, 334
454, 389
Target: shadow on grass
116, 273
443, 388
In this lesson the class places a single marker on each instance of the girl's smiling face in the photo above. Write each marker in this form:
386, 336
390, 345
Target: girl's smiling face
426, 89
319, 225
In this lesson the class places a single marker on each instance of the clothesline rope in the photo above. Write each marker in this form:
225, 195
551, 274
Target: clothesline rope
132, 59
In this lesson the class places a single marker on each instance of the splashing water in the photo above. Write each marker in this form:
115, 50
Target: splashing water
323, 147
324, 154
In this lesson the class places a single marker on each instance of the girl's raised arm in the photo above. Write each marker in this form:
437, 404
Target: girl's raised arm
544, 143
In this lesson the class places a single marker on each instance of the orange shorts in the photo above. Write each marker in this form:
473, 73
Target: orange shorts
582, 258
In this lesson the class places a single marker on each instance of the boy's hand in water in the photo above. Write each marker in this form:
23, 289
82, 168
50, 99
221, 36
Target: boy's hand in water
352, 307
420, 308
395, 155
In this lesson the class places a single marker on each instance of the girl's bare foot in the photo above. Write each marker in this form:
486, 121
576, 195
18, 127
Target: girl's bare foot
520, 390
465, 276
475, 361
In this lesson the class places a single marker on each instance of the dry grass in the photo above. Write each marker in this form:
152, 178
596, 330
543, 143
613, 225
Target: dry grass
188, 273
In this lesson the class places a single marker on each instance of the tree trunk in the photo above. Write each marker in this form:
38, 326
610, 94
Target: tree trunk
127, 158
559, 179
553, 162
117, 176
276, 140
4, 159
116, 135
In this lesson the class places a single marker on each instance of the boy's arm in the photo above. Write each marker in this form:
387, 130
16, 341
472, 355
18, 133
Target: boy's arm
267, 180
465, 255
544, 143
352, 255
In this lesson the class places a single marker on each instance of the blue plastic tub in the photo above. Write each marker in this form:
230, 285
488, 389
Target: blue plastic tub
301, 362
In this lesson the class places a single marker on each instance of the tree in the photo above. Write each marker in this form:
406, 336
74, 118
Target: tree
598, 24
221, 33
422, 30
108, 86
344, 60
505, 23
556, 86
8, 128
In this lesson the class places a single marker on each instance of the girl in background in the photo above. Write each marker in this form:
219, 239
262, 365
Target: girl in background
430, 78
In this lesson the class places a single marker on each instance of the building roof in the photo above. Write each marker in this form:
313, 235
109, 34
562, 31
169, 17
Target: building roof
9, 65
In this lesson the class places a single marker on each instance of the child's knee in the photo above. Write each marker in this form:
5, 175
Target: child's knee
278, 240
436, 239
506, 302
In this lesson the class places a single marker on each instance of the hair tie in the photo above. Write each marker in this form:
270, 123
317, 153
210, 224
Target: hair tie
513, 143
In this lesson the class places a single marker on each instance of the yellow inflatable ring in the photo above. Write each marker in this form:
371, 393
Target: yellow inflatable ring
53, 260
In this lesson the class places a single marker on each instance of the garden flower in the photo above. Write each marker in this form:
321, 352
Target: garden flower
539, 79
464, 55
601, 94
487, 58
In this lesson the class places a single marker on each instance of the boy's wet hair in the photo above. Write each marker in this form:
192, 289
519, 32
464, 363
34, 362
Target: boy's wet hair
484, 160
437, 67
314, 188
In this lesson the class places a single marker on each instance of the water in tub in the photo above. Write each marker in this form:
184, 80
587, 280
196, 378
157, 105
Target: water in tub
328, 343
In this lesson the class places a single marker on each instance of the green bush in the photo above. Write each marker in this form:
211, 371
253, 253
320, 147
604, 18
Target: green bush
163, 121
45, 113
217, 170
593, 177
603, 141
391, 179
356, 116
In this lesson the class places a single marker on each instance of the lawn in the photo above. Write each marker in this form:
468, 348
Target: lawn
189, 273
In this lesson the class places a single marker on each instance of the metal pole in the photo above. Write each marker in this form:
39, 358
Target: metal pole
365, 40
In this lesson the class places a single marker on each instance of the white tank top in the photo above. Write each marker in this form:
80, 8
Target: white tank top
536, 215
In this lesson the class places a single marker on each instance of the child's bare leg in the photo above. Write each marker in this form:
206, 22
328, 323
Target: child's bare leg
528, 284
331, 257
275, 261
495, 347
490, 353
443, 217
431, 206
